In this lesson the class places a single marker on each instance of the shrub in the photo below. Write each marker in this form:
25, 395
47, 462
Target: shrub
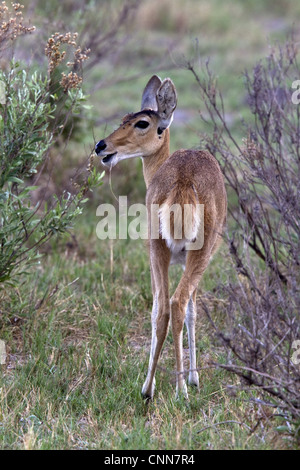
28, 106
262, 173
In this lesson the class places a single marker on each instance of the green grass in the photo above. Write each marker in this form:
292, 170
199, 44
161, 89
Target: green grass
77, 329
78, 336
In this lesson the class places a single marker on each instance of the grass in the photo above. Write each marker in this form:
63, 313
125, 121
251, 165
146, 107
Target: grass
78, 345
77, 329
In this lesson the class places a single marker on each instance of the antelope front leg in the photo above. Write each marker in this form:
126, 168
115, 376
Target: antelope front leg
190, 321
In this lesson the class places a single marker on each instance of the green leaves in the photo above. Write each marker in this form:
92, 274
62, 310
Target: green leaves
24, 136
95, 179
2, 92
26, 109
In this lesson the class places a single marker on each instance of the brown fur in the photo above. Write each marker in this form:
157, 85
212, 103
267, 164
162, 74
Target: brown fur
186, 177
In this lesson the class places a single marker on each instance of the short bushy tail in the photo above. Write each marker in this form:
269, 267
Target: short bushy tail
179, 217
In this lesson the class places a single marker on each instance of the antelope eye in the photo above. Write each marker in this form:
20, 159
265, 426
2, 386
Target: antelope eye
142, 124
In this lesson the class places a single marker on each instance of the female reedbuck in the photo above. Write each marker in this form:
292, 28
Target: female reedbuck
186, 179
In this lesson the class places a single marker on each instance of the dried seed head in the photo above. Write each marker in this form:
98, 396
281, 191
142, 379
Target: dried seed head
11, 23
56, 51
72, 80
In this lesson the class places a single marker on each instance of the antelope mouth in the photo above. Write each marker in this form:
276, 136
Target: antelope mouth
108, 157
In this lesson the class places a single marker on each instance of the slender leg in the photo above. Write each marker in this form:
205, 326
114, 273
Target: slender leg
148, 387
190, 321
177, 315
196, 264
160, 260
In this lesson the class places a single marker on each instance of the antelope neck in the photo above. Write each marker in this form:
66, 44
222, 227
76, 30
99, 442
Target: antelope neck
153, 162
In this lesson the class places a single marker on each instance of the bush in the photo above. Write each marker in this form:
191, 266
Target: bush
262, 175
28, 106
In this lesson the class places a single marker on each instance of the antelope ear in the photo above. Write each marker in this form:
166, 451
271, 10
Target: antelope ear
166, 98
149, 94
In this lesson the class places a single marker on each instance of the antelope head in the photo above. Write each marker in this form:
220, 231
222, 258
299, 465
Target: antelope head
141, 134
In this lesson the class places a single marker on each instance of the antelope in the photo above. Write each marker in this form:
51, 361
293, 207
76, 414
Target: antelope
186, 178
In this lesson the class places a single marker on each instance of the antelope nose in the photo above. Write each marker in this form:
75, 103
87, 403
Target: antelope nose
100, 146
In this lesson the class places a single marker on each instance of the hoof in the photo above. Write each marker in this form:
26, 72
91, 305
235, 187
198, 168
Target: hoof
148, 390
146, 397
194, 380
182, 392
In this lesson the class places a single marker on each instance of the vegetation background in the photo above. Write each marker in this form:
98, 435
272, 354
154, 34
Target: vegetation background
77, 324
